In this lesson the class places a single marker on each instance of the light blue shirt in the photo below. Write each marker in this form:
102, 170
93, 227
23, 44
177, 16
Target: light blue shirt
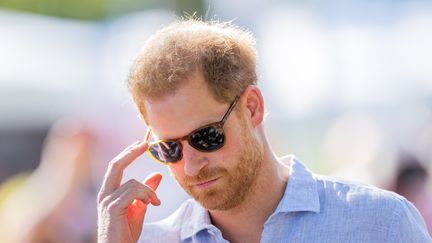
314, 208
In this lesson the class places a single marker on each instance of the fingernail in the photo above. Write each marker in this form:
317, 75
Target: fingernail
158, 201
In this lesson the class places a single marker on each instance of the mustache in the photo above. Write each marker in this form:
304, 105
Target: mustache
204, 175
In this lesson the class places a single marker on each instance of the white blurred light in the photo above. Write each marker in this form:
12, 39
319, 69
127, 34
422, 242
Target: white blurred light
44, 53
356, 147
365, 71
356, 64
413, 49
295, 56
121, 43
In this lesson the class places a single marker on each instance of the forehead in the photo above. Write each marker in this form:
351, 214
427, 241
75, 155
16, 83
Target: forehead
190, 107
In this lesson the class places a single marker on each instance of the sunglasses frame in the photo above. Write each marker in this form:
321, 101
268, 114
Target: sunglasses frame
218, 125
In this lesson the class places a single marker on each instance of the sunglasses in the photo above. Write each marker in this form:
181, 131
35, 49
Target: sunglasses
208, 138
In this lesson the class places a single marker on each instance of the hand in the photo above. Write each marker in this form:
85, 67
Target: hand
122, 208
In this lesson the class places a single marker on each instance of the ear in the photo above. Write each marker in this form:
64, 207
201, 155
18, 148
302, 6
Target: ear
253, 101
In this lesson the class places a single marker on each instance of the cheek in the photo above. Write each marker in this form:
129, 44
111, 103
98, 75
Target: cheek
233, 140
176, 170
226, 157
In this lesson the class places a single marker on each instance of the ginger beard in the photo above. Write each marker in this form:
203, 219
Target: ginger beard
235, 183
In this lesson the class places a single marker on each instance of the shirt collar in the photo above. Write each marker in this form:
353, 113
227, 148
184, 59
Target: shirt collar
301, 193
198, 220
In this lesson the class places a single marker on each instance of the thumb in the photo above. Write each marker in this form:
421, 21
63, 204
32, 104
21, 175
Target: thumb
153, 180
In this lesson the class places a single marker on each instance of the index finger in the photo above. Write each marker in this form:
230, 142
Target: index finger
114, 173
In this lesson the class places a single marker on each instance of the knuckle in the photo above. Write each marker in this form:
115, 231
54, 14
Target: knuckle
149, 190
132, 187
113, 207
132, 183
105, 202
134, 190
114, 164
100, 197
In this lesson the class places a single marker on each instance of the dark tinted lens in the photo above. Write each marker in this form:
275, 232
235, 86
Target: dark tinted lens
207, 139
166, 151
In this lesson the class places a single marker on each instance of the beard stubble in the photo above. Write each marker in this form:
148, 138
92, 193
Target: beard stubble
237, 182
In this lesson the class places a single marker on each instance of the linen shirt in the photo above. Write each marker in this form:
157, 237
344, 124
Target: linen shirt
314, 208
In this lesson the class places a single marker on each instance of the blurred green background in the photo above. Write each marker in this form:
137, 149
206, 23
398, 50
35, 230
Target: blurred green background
99, 9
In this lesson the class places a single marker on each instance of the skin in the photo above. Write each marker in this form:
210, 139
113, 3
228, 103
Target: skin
121, 216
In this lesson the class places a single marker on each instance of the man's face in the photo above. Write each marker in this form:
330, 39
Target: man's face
219, 180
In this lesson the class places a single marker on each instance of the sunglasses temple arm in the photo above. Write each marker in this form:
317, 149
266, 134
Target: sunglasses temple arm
230, 109
147, 136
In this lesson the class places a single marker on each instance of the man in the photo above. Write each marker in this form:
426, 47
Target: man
194, 84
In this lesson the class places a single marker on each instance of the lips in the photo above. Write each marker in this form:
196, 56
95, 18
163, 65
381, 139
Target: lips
206, 183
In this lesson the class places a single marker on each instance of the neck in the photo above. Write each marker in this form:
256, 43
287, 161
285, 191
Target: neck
245, 222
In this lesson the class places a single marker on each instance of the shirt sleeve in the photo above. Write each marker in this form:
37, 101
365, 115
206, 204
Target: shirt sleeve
408, 225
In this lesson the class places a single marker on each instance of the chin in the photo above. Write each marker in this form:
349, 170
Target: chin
218, 204
221, 200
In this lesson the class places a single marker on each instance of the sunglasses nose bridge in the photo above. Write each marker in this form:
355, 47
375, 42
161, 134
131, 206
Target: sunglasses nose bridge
180, 141
183, 138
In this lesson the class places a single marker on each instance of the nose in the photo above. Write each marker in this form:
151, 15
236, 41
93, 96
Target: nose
193, 159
